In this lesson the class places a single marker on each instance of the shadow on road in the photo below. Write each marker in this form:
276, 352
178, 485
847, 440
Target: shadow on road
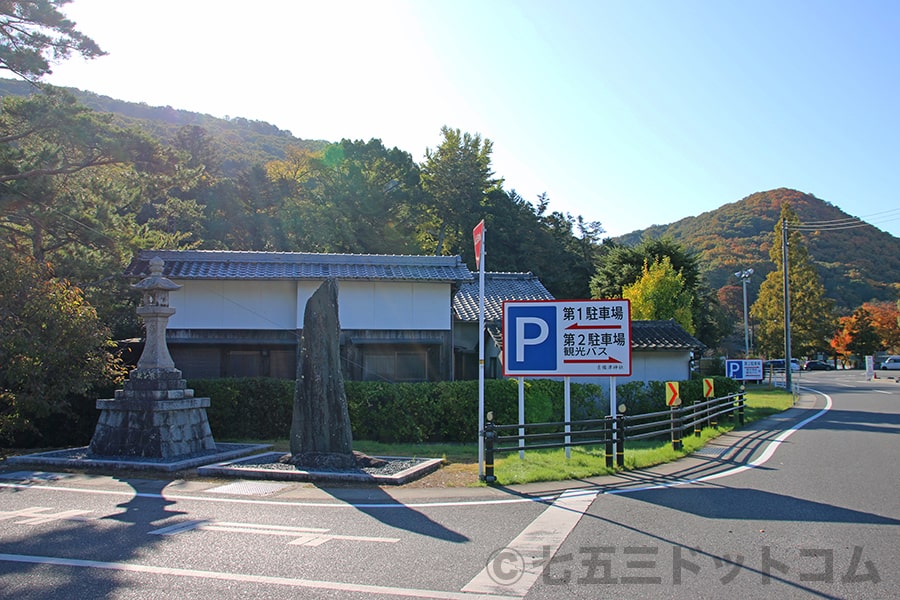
379, 505
26, 542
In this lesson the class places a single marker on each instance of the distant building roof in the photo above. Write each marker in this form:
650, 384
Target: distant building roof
497, 288
216, 264
662, 335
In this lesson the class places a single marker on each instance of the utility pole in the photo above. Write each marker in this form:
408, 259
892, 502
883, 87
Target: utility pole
785, 263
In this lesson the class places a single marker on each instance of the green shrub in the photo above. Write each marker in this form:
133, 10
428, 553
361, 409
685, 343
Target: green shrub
446, 411
248, 408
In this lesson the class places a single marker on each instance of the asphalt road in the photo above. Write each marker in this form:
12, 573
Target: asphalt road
774, 511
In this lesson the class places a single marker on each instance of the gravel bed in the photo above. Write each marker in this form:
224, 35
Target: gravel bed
272, 462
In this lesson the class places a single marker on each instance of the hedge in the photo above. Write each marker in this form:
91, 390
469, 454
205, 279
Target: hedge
260, 408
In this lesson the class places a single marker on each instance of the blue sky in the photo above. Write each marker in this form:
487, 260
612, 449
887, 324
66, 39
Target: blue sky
628, 113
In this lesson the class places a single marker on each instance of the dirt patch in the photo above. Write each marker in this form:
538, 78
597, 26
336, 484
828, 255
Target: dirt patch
449, 475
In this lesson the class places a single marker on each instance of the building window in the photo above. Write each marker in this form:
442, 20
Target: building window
399, 365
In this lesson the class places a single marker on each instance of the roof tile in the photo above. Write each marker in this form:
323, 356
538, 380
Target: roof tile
215, 264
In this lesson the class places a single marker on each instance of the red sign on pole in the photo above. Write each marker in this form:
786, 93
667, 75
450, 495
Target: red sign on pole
478, 234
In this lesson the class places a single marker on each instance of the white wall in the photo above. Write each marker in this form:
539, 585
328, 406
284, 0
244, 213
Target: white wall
386, 305
222, 304
279, 305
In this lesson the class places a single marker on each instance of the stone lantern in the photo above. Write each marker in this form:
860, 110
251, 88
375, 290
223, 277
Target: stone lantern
155, 311
155, 415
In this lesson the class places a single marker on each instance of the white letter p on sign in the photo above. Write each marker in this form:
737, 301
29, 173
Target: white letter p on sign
522, 341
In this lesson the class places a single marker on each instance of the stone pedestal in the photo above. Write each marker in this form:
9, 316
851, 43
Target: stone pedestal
154, 416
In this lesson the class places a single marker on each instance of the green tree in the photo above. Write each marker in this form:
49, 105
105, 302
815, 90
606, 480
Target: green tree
620, 266
812, 318
72, 184
457, 179
34, 33
52, 344
47, 143
660, 293
371, 195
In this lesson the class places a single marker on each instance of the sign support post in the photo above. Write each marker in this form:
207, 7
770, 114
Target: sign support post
521, 418
478, 234
567, 414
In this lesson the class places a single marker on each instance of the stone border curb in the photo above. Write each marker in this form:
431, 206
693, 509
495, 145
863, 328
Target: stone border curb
74, 458
228, 469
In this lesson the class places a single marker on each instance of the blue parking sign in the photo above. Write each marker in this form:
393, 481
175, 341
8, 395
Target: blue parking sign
734, 369
744, 370
531, 338
550, 338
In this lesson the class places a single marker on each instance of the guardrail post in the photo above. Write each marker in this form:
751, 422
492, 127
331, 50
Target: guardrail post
714, 419
610, 432
490, 434
696, 421
676, 429
620, 443
741, 407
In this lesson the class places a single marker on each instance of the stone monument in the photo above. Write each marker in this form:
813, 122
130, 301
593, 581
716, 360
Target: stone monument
320, 430
155, 415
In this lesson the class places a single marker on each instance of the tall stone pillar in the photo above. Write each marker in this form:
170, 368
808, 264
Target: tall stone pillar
155, 415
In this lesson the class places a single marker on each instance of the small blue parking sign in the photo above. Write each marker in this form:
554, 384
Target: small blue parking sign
744, 370
734, 369
544, 338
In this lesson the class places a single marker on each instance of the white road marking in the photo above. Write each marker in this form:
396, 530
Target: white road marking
38, 515
303, 536
247, 578
515, 569
760, 460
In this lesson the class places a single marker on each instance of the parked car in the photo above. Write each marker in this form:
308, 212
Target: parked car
891, 363
777, 365
817, 365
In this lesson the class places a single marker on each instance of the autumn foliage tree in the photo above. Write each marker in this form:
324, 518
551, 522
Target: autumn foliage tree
886, 322
52, 345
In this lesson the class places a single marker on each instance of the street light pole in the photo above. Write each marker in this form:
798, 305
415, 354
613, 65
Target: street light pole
745, 277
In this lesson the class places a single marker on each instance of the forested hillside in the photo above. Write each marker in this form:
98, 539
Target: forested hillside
857, 264
239, 142
83, 188
248, 185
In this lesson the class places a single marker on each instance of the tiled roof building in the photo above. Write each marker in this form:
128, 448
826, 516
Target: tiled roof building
215, 264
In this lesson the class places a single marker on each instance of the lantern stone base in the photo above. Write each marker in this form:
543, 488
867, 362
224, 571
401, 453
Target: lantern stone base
154, 416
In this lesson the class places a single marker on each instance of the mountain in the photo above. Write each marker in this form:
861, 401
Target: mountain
856, 264
239, 142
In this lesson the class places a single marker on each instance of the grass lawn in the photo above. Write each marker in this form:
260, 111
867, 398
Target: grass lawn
552, 465
587, 461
